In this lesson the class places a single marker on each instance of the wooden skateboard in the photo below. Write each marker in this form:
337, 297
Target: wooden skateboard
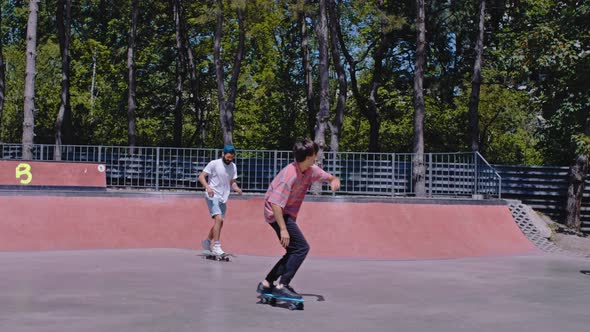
208, 254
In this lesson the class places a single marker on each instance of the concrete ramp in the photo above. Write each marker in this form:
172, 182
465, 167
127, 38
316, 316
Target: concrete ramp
334, 228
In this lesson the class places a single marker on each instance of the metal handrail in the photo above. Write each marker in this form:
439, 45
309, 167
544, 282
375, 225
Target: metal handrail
456, 174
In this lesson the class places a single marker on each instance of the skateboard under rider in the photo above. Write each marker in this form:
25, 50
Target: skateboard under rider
269, 298
208, 254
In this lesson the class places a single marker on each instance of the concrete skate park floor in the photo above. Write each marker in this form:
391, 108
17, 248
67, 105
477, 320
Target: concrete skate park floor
142, 290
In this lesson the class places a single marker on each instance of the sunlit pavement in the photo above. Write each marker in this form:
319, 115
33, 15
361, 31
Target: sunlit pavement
176, 290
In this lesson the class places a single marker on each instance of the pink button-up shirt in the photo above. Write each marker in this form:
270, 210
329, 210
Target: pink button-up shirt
289, 187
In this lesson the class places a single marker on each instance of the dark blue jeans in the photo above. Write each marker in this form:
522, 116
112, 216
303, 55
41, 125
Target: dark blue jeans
297, 250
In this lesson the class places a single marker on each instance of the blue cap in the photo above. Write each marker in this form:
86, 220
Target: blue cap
229, 149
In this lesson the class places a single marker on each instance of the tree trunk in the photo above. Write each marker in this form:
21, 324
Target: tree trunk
2, 78
93, 83
323, 115
575, 190
312, 109
336, 124
418, 167
195, 94
219, 73
476, 81
372, 110
368, 106
30, 72
233, 82
200, 111
131, 103
63, 125
226, 107
180, 71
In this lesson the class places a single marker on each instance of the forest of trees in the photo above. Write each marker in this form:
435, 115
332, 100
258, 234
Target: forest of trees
508, 78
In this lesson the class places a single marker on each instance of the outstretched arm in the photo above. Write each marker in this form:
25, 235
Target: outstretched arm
334, 183
325, 177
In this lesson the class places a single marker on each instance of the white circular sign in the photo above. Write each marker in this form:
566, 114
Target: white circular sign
101, 168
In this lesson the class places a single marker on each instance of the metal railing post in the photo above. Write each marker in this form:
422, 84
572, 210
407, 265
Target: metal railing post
334, 168
429, 174
393, 175
157, 168
274, 167
476, 175
411, 175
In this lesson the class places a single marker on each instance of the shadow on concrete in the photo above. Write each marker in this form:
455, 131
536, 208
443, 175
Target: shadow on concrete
319, 298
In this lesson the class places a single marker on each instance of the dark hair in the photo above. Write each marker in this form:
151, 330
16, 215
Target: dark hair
304, 148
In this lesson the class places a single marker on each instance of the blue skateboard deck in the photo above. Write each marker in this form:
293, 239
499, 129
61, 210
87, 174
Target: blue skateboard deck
293, 304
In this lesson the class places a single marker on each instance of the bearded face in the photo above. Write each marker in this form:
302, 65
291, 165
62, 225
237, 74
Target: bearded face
227, 158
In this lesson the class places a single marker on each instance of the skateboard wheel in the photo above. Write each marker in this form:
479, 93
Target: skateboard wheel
268, 300
296, 306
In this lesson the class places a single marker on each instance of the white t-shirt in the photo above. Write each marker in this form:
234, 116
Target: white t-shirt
219, 178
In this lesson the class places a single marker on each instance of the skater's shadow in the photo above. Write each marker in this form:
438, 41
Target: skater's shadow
319, 298
586, 272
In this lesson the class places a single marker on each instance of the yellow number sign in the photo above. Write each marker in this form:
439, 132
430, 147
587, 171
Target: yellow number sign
24, 170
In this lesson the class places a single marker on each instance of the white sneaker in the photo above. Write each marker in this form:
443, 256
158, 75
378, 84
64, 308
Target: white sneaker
217, 249
206, 244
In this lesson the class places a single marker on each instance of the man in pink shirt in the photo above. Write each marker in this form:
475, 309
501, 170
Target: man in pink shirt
281, 205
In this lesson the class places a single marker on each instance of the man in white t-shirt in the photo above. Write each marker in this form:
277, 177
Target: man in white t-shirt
221, 177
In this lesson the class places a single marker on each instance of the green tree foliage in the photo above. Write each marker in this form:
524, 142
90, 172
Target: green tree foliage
533, 98
551, 61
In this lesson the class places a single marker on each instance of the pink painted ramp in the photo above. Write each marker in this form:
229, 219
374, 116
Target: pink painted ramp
334, 229
408, 231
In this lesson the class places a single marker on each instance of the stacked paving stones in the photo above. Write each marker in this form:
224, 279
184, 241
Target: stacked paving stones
520, 213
